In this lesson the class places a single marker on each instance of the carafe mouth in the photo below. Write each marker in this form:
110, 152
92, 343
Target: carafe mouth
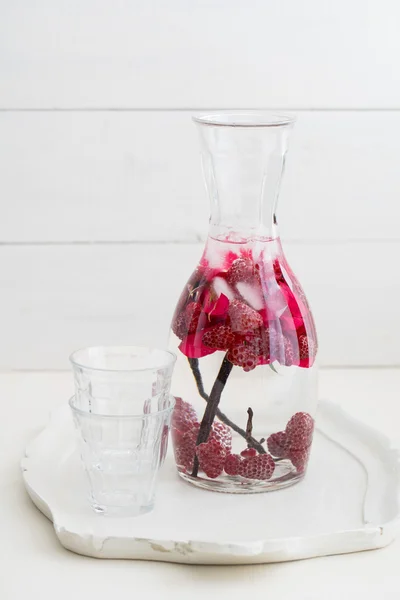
245, 119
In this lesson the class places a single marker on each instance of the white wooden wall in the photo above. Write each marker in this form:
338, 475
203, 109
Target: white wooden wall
103, 209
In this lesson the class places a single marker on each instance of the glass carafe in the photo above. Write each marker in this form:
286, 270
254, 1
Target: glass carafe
245, 379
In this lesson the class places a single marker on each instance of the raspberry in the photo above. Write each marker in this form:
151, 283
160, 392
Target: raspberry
294, 443
299, 431
179, 325
248, 452
289, 353
261, 466
269, 344
220, 337
299, 459
232, 464
277, 444
211, 457
185, 447
221, 433
243, 318
259, 343
242, 270
242, 356
184, 416
307, 347
192, 315
182, 406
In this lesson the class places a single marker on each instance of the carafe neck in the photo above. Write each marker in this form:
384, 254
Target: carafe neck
243, 157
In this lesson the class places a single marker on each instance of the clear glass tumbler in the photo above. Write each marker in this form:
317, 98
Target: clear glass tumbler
122, 410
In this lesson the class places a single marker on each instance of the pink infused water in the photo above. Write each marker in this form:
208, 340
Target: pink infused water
245, 378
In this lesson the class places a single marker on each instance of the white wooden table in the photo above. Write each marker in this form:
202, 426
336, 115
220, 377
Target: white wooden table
34, 565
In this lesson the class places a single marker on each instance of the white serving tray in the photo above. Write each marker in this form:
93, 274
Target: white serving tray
348, 501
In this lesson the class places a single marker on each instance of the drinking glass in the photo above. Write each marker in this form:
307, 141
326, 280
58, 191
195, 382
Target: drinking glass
122, 410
